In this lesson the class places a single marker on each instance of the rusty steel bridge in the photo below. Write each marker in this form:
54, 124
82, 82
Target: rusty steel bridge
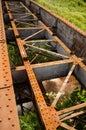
28, 26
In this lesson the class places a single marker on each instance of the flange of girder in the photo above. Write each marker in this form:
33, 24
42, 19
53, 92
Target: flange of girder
8, 111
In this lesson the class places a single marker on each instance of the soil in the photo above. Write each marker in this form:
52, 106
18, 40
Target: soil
54, 85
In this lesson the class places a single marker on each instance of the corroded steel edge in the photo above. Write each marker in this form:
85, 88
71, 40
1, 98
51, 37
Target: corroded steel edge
8, 112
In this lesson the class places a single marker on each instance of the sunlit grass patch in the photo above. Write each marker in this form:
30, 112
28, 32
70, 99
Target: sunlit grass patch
72, 10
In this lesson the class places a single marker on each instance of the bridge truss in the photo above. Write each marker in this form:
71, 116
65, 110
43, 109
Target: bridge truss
29, 34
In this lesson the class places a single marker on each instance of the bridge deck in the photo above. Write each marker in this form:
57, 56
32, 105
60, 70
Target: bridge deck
28, 37
8, 111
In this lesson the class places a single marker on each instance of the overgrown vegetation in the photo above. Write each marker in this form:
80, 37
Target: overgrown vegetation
72, 10
76, 98
14, 55
37, 56
29, 121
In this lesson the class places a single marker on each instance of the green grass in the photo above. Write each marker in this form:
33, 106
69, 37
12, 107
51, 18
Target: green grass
72, 10
76, 97
14, 55
29, 121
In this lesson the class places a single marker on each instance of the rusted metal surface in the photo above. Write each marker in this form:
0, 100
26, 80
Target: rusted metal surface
51, 118
4, 63
8, 110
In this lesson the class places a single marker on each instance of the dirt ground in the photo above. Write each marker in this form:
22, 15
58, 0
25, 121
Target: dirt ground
54, 85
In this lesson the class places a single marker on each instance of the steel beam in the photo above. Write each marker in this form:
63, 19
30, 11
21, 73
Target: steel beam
8, 110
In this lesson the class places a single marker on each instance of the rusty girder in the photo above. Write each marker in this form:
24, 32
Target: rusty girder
51, 118
8, 111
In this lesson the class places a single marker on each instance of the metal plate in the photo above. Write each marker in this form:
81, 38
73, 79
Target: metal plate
8, 111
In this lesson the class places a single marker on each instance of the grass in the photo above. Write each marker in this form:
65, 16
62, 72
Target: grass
14, 55
29, 121
76, 97
72, 10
